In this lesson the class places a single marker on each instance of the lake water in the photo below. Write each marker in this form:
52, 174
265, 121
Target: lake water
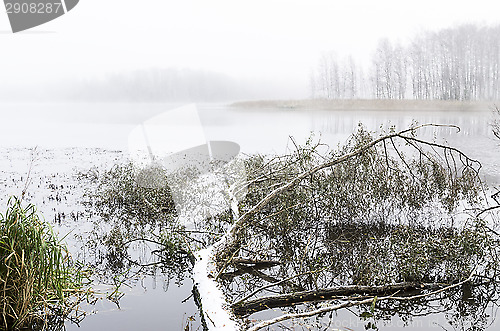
266, 130
75, 137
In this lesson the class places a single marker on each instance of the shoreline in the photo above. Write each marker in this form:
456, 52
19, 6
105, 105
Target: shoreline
368, 104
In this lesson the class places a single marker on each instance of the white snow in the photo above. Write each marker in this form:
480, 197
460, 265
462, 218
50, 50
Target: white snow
212, 299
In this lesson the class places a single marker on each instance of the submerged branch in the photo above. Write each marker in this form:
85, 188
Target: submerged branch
289, 299
351, 304
271, 285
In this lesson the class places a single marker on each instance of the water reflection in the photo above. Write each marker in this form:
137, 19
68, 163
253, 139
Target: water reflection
107, 244
346, 248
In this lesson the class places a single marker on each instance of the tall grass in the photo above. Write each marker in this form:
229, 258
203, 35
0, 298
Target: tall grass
36, 276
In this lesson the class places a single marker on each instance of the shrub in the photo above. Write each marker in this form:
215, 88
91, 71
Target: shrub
124, 193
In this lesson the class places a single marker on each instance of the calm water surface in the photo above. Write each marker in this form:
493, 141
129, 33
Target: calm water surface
257, 130
63, 132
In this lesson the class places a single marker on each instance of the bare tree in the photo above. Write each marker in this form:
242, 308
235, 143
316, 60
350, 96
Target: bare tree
336, 79
461, 63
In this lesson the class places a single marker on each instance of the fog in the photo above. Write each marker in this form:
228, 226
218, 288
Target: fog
271, 44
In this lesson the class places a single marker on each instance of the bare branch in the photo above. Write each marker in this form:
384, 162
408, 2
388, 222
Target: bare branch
273, 284
351, 304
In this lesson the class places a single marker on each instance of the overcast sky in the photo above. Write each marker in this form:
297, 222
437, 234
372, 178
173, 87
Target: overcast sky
276, 41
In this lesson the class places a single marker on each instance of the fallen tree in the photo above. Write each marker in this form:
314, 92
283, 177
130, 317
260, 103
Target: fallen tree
381, 219
355, 205
361, 148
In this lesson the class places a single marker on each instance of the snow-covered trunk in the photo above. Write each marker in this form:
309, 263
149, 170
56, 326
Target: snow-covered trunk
214, 305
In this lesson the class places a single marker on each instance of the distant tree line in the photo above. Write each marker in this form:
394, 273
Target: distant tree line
159, 84
172, 84
461, 63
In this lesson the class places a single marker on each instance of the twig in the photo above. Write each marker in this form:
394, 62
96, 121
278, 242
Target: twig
28, 176
488, 209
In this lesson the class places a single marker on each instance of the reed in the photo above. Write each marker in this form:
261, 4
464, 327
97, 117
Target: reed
36, 273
